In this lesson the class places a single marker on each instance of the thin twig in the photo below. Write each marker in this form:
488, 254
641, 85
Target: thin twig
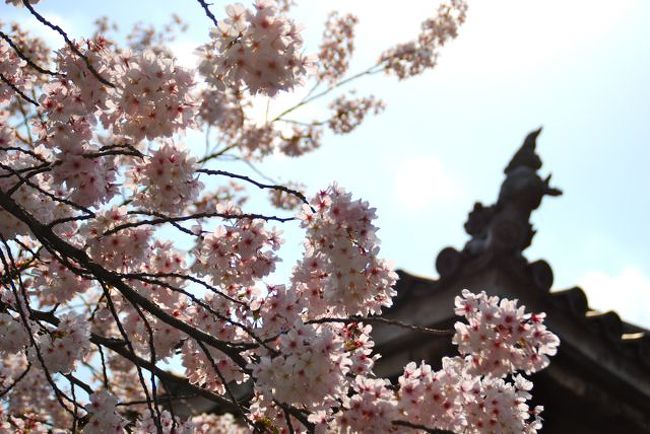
166, 219
372, 70
208, 12
71, 44
258, 184
18, 91
421, 427
25, 58
387, 321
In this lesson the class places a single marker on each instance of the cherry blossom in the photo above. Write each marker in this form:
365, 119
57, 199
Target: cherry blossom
167, 179
414, 57
123, 249
168, 425
20, 2
337, 46
349, 113
103, 414
257, 48
237, 254
11, 69
55, 283
153, 98
309, 371
60, 349
500, 338
125, 253
340, 255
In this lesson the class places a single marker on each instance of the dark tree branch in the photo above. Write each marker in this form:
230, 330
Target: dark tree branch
119, 347
421, 427
296, 193
167, 219
387, 321
25, 58
18, 91
54, 243
111, 306
15, 381
71, 44
209, 14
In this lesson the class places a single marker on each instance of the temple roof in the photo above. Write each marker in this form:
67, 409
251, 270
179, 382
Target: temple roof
603, 366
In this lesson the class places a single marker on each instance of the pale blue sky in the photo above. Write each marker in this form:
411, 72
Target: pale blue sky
579, 68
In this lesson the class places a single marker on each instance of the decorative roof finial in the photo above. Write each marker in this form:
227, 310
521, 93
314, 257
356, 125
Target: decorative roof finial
504, 227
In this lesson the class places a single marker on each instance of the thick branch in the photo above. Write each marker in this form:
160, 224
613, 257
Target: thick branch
46, 236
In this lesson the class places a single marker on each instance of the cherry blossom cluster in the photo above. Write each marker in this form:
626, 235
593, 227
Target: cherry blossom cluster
147, 334
30, 401
209, 366
6, 135
349, 113
237, 254
412, 58
76, 92
167, 180
34, 191
259, 49
217, 424
34, 48
309, 370
60, 349
164, 259
340, 262
208, 369
453, 399
285, 200
232, 193
150, 97
258, 141
20, 2
337, 46
90, 150
121, 250
27, 423
167, 424
90, 180
14, 70
371, 409
500, 338
11, 69
55, 283
103, 414
222, 108
13, 334
301, 140
153, 97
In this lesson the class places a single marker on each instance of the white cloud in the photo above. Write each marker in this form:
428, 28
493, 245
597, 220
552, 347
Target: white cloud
49, 36
421, 180
627, 293
499, 36
185, 52
513, 37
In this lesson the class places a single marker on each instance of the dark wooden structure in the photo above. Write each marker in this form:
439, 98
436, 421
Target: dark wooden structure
599, 382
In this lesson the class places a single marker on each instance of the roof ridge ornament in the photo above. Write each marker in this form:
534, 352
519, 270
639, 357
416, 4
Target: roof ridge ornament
504, 228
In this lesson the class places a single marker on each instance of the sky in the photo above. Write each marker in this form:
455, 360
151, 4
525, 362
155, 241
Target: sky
579, 68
